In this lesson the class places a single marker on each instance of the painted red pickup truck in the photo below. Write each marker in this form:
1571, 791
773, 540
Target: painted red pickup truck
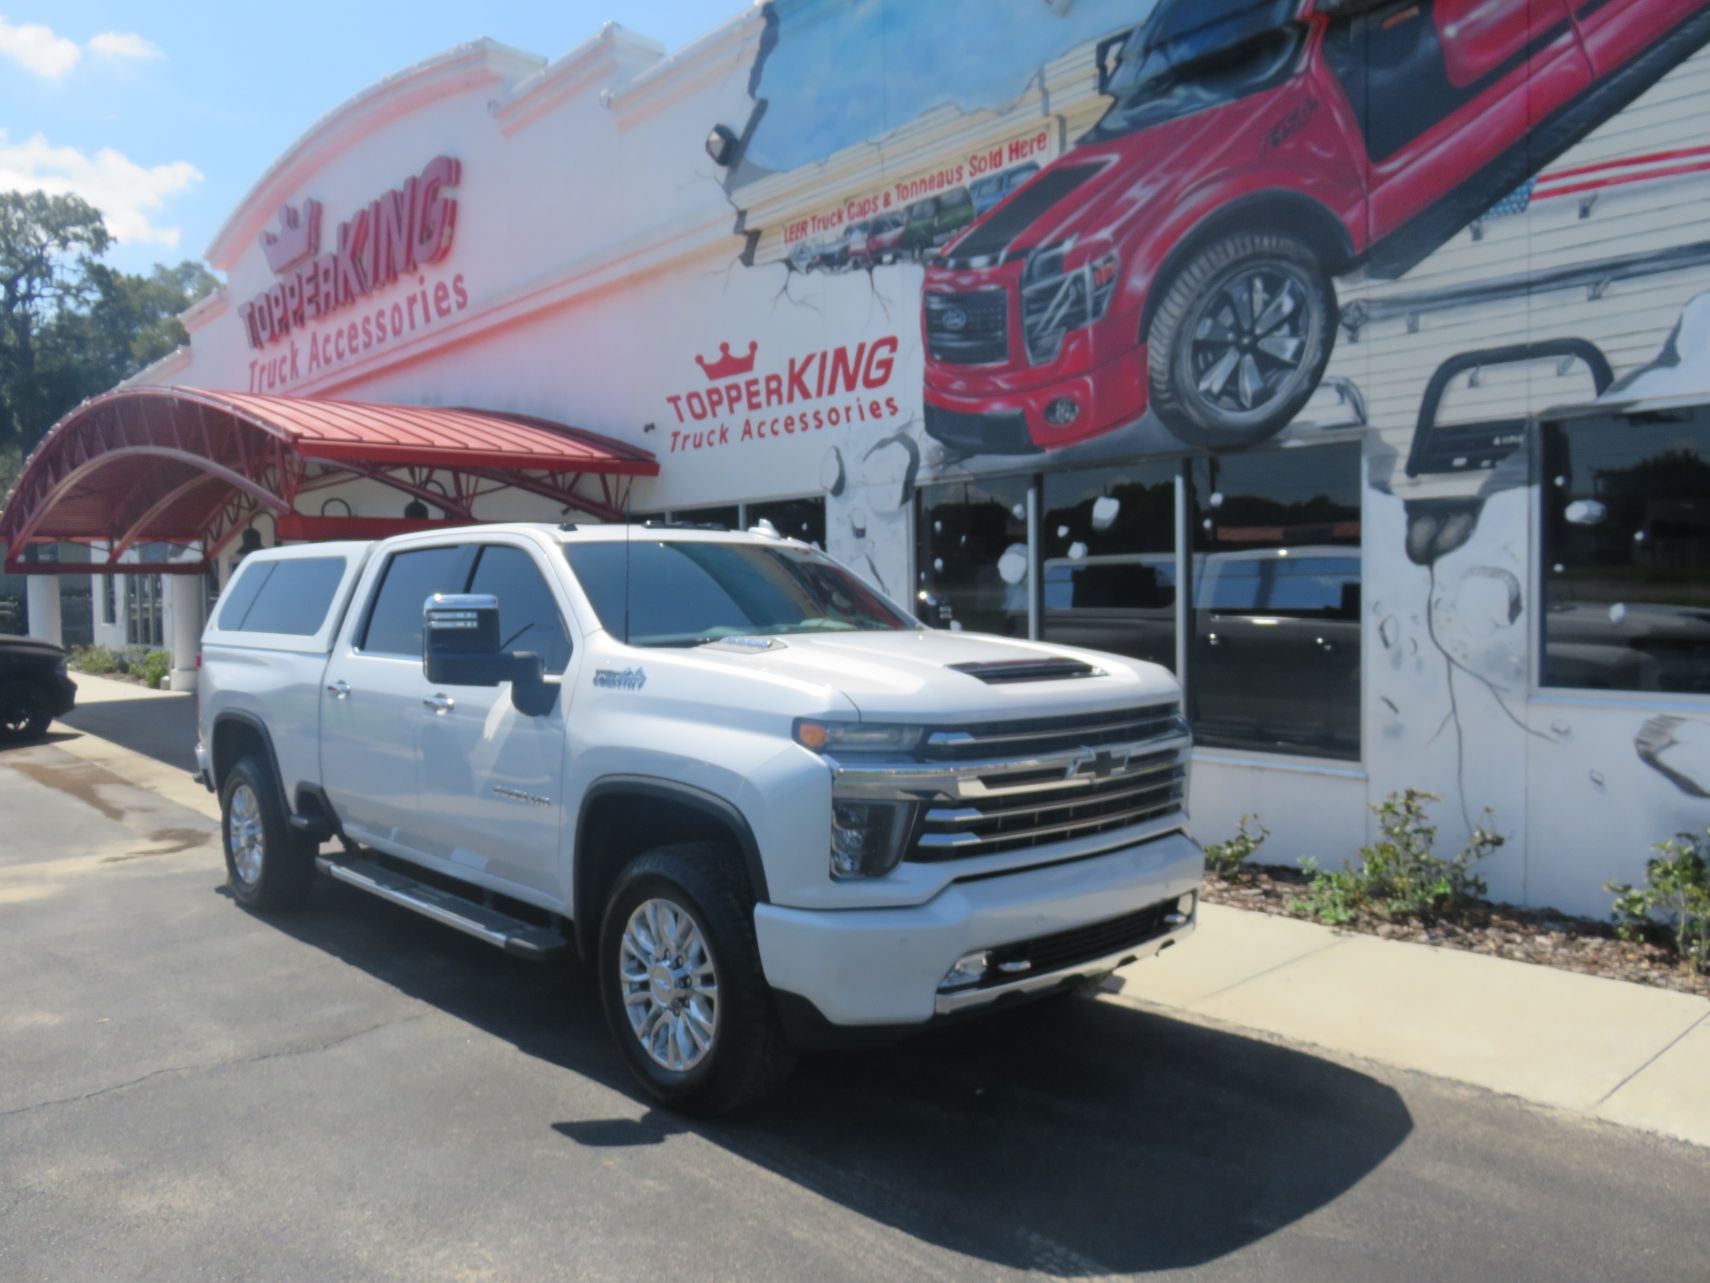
1180, 257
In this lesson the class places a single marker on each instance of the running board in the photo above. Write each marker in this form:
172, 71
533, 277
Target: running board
513, 935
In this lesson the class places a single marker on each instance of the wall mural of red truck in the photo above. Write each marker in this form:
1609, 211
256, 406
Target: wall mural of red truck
1180, 258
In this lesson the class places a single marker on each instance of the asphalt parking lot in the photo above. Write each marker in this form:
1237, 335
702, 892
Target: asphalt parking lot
188, 1091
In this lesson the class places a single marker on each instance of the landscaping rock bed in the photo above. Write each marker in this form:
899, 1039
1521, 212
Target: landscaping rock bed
1524, 935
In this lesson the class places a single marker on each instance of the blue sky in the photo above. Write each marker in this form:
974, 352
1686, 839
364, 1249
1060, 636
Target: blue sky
908, 56
163, 115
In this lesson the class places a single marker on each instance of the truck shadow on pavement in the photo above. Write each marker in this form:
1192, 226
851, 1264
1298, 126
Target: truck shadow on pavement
1079, 1138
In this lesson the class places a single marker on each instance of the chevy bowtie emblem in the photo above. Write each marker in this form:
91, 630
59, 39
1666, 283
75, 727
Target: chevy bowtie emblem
1100, 765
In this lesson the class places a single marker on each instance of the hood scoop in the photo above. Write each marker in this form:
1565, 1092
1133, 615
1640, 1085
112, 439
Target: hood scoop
1001, 672
995, 234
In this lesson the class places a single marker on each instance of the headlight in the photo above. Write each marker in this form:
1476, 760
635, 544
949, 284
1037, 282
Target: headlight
856, 737
1053, 301
1044, 263
867, 837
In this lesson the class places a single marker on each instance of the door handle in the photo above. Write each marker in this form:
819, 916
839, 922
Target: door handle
439, 703
339, 689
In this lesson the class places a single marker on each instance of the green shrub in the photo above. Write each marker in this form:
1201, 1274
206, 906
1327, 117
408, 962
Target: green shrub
93, 659
1399, 876
1224, 859
153, 668
1677, 889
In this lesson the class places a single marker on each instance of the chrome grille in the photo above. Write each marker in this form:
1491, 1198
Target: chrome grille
1036, 736
1023, 809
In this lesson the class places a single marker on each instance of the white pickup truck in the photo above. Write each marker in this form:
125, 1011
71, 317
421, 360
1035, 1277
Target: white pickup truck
768, 807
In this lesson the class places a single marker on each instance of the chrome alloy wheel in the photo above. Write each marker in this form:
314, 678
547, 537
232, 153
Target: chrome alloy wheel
669, 985
1252, 338
244, 837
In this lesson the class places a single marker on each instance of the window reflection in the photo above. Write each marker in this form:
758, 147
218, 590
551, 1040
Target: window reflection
973, 560
802, 519
1109, 560
1276, 637
1626, 547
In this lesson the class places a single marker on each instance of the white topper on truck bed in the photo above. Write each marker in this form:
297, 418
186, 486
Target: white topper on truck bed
767, 806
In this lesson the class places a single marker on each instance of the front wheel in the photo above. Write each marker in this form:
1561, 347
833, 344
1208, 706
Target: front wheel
1240, 339
25, 712
681, 982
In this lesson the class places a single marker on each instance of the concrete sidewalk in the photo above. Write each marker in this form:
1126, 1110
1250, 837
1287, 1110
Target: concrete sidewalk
1620, 1052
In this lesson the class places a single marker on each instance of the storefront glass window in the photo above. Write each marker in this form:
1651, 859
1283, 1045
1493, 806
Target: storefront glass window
1626, 549
802, 519
973, 559
727, 515
1109, 568
1275, 664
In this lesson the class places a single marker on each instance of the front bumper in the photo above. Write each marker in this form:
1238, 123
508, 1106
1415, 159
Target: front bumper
65, 694
883, 967
204, 774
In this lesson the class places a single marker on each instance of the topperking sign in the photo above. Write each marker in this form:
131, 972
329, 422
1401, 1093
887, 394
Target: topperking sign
402, 230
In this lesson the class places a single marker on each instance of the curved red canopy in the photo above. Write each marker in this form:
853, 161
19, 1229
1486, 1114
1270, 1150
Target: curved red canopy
192, 467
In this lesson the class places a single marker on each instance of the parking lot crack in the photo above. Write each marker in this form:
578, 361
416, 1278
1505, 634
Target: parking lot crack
206, 1066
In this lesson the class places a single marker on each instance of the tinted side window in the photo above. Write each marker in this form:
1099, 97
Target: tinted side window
395, 623
528, 614
294, 598
241, 592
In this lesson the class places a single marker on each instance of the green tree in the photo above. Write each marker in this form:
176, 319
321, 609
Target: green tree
46, 245
73, 326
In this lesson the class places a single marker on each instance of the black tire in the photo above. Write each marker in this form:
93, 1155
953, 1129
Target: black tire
1181, 359
25, 712
280, 880
749, 1056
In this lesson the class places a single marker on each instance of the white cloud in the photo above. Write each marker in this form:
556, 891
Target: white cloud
125, 44
128, 195
36, 48
50, 55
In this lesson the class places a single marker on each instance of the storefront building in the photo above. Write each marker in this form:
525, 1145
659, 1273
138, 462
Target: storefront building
1349, 357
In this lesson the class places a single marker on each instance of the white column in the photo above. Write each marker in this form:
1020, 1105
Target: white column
183, 628
42, 598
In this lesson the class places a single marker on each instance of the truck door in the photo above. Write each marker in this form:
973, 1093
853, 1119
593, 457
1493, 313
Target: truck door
1442, 88
371, 707
492, 778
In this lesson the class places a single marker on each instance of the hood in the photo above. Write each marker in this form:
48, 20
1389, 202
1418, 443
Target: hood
1095, 190
30, 647
914, 676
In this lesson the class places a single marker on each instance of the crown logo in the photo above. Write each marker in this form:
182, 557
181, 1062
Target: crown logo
728, 366
298, 237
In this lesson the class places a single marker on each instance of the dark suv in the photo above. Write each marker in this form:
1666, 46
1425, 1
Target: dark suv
34, 688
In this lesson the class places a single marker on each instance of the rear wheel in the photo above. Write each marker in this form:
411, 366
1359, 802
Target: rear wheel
1241, 338
681, 982
269, 866
25, 712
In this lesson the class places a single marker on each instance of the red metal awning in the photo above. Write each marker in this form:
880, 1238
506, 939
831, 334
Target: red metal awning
190, 467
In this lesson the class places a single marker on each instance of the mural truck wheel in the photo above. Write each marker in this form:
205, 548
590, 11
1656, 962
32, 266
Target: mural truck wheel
1241, 339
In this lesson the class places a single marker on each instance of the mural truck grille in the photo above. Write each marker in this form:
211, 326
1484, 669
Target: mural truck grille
968, 329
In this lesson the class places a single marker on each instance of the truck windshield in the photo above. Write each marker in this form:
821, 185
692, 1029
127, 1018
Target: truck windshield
690, 592
1152, 83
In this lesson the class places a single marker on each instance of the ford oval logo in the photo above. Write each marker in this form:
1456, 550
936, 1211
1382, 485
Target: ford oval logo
955, 319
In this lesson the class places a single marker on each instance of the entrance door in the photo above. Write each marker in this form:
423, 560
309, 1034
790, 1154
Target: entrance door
371, 707
492, 778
